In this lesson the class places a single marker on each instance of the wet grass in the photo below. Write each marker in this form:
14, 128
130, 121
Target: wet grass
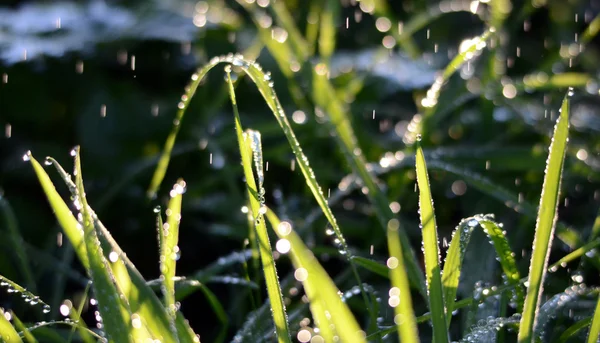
422, 297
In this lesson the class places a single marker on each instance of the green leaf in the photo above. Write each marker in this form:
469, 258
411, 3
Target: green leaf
169, 251
127, 277
400, 291
23, 330
250, 150
331, 314
371, 265
546, 220
456, 253
115, 317
8, 334
431, 250
594, 333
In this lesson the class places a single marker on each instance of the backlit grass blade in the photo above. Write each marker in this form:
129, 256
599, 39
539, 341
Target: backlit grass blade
285, 20
131, 282
116, 318
75, 315
329, 15
23, 331
25, 295
169, 251
8, 334
431, 251
594, 333
11, 224
249, 144
400, 291
456, 253
546, 220
332, 316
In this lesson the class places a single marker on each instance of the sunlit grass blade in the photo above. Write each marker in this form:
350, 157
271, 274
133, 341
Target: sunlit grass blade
169, 251
116, 318
8, 334
11, 224
400, 291
27, 296
546, 220
45, 324
332, 316
591, 31
250, 150
329, 15
23, 331
594, 333
456, 252
431, 250
284, 18
325, 97
127, 277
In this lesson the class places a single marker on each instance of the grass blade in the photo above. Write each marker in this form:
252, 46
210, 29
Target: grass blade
594, 333
332, 316
23, 330
546, 220
8, 334
456, 252
572, 331
169, 251
127, 277
27, 296
400, 291
431, 250
115, 315
249, 144
371, 265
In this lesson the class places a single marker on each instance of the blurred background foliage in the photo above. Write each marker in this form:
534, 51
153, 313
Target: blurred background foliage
107, 75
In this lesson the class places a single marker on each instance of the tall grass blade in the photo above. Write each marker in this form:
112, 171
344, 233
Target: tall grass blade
75, 316
546, 220
400, 291
573, 330
250, 149
431, 250
169, 251
594, 333
116, 318
8, 334
371, 265
330, 313
329, 15
146, 303
10, 221
456, 253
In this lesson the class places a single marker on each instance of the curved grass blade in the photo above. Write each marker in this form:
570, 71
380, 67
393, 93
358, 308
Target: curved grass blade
594, 333
456, 252
573, 330
431, 250
116, 317
169, 251
551, 308
146, 303
27, 296
250, 149
23, 331
10, 221
330, 313
41, 325
219, 312
546, 220
8, 334
400, 291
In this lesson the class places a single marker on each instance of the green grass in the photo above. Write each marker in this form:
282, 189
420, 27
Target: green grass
313, 300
